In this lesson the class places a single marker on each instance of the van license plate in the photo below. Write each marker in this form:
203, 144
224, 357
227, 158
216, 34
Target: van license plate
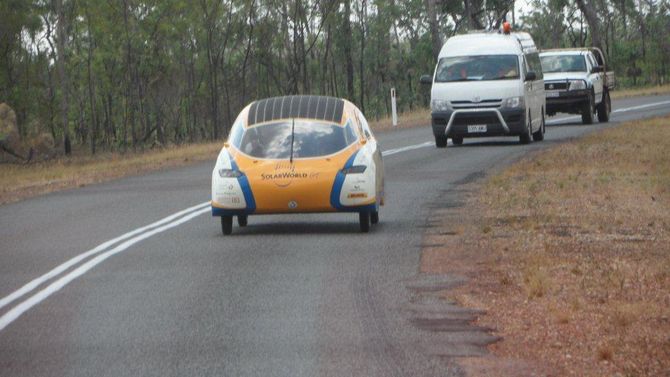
477, 128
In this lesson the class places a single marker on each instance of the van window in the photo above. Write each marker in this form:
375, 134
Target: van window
309, 139
477, 68
534, 64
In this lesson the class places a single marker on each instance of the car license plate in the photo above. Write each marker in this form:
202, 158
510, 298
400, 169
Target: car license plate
553, 94
476, 128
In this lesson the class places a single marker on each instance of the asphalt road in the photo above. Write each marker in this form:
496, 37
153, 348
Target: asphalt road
287, 296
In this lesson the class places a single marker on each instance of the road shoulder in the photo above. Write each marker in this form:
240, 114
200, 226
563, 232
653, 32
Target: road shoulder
566, 253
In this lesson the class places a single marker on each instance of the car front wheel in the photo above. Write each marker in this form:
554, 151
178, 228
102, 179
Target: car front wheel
227, 225
440, 141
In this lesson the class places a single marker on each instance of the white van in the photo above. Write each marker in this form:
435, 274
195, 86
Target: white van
487, 84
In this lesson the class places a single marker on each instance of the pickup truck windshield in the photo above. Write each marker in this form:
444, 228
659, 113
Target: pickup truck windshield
563, 63
477, 68
310, 139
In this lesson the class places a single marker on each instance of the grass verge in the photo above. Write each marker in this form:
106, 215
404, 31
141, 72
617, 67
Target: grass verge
637, 92
23, 181
569, 254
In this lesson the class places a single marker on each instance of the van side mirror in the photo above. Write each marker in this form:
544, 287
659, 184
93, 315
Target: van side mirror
426, 79
531, 76
597, 69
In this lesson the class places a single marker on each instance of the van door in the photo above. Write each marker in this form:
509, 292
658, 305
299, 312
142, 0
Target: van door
537, 89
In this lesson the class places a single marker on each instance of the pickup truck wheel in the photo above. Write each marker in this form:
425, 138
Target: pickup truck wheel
605, 108
457, 140
374, 217
539, 135
587, 111
440, 141
227, 225
527, 136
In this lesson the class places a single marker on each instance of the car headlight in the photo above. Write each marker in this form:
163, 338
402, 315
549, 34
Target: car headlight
356, 169
230, 173
577, 85
513, 103
439, 105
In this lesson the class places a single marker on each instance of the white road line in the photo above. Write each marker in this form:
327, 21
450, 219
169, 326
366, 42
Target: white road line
391, 152
56, 271
623, 110
640, 107
54, 287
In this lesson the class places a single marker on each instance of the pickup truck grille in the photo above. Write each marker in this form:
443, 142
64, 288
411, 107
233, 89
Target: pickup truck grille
558, 85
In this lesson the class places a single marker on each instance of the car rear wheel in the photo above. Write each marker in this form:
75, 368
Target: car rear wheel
457, 140
587, 111
227, 225
539, 135
605, 108
374, 217
364, 219
440, 141
527, 136
242, 220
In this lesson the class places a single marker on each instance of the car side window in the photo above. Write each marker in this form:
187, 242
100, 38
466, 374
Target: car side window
534, 64
364, 125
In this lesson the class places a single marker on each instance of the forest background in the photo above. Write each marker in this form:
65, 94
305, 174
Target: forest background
118, 75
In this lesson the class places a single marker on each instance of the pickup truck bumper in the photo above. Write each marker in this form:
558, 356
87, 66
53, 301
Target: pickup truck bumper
514, 122
571, 101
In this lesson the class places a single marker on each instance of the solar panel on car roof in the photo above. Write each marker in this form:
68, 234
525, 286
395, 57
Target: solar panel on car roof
311, 107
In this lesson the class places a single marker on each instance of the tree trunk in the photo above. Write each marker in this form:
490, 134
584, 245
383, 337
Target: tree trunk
435, 38
62, 73
347, 49
589, 11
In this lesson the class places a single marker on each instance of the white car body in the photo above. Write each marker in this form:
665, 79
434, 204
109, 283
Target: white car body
506, 106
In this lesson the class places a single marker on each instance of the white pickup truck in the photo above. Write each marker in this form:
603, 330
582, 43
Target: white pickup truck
576, 81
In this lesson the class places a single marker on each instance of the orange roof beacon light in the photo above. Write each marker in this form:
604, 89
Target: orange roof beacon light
507, 27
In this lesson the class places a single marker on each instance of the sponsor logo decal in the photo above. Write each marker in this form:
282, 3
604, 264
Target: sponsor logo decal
284, 174
292, 204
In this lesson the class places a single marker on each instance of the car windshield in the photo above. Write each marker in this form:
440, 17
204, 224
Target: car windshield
311, 139
563, 63
477, 68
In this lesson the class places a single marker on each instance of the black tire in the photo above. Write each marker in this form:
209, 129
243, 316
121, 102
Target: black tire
605, 108
587, 111
364, 219
242, 220
227, 225
440, 141
457, 140
527, 136
374, 217
539, 135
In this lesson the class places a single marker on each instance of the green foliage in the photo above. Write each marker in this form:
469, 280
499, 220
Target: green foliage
142, 72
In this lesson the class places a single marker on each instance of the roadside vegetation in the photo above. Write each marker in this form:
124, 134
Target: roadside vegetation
569, 254
643, 91
121, 76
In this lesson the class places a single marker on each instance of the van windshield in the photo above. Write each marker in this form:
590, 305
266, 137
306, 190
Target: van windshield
310, 139
477, 68
563, 63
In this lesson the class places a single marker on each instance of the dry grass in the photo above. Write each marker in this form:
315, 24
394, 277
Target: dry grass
415, 118
637, 92
22, 181
575, 272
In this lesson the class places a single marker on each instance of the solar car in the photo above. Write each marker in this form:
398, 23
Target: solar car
298, 154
